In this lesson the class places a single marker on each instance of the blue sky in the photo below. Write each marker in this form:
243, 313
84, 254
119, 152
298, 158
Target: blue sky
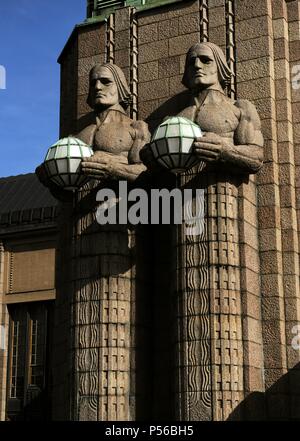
32, 35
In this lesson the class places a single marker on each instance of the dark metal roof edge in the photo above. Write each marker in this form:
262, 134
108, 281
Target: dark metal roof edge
11, 177
30, 214
28, 229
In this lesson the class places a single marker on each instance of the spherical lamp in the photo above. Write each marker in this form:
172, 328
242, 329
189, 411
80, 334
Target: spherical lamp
172, 141
62, 162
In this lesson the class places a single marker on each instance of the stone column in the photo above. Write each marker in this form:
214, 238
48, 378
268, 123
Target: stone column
192, 296
209, 370
109, 317
225, 295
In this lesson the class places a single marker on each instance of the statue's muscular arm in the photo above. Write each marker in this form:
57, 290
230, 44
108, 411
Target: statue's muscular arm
246, 153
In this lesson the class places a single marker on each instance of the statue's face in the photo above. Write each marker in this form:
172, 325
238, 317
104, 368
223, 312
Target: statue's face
202, 68
103, 89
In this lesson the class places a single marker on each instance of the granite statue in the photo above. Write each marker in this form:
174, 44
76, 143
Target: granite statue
232, 130
115, 138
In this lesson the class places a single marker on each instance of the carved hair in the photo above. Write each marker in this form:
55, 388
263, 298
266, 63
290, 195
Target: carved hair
223, 68
120, 80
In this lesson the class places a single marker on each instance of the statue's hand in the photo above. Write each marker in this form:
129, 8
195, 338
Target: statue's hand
104, 165
211, 147
98, 166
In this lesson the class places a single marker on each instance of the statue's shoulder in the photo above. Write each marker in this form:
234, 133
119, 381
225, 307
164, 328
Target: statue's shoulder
141, 130
247, 110
188, 112
140, 136
138, 129
87, 134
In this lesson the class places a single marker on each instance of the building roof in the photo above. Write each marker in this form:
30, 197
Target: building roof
23, 199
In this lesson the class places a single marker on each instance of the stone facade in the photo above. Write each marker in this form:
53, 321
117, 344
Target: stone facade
254, 369
210, 321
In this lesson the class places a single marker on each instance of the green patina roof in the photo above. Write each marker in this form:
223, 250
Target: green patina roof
97, 8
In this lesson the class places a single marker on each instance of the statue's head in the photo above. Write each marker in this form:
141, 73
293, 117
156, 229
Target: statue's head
205, 66
108, 86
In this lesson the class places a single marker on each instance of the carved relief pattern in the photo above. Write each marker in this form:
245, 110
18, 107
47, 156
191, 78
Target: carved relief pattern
133, 54
203, 20
226, 328
110, 39
230, 46
194, 374
133, 63
101, 317
210, 366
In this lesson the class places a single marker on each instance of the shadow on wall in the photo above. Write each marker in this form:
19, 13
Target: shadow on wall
171, 107
280, 402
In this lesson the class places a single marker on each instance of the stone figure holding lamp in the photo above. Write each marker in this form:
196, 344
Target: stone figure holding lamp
115, 138
231, 130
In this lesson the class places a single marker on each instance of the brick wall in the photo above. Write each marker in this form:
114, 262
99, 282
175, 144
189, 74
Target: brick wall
163, 40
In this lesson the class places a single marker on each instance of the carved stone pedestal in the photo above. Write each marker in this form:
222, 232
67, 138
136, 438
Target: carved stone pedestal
108, 310
210, 361
202, 334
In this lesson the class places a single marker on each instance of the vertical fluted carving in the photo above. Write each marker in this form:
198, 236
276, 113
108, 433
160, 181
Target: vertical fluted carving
193, 371
210, 360
203, 20
110, 39
133, 63
230, 46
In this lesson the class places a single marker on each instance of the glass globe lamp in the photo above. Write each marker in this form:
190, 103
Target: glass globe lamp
172, 141
62, 162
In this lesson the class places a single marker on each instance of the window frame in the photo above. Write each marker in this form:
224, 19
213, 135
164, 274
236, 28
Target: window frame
25, 312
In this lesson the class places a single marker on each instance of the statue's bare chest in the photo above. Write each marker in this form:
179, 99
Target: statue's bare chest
113, 137
216, 118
